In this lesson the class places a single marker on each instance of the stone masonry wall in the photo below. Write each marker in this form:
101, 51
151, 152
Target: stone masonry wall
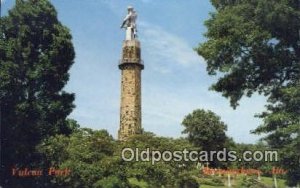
130, 110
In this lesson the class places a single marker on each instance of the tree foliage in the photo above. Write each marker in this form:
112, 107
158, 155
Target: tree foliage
205, 130
36, 53
283, 122
255, 45
89, 156
162, 173
94, 159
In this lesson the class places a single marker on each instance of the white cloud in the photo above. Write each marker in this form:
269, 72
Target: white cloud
163, 46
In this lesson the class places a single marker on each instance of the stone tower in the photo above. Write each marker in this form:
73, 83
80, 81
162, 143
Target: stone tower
131, 66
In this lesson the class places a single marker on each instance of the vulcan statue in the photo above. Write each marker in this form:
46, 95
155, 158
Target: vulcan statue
129, 23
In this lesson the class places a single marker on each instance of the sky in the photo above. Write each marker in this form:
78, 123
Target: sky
174, 81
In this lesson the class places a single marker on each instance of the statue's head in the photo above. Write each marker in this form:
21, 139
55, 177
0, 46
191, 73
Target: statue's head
130, 8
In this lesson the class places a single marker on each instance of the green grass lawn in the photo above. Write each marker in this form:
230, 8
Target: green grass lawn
237, 182
269, 181
206, 182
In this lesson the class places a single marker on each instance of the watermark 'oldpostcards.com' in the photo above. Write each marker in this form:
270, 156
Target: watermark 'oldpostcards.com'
153, 156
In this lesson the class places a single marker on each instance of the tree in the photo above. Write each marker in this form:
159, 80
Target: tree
162, 173
255, 45
205, 130
94, 159
264, 166
283, 121
90, 157
36, 53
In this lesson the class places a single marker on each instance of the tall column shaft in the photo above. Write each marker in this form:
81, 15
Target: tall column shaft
130, 110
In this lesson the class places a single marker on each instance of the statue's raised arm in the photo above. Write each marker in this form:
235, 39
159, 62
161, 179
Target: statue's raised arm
129, 23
